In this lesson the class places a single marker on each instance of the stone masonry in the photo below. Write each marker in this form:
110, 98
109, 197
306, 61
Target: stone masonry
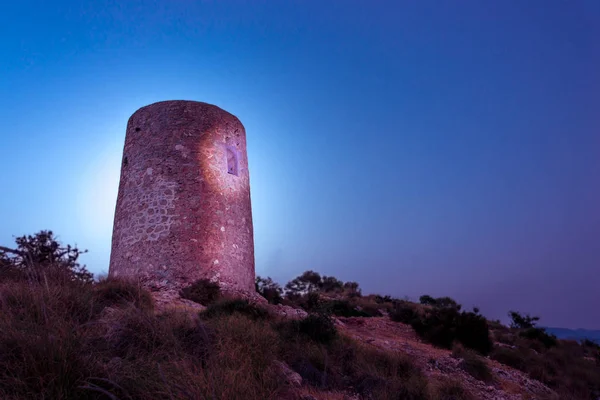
183, 209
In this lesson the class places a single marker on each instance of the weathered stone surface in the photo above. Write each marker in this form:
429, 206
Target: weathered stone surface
183, 209
285, 312
287, 374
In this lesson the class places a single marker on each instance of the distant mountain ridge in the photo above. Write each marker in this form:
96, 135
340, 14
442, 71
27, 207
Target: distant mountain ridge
575, 334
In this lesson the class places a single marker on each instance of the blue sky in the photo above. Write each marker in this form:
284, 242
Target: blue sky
415, 147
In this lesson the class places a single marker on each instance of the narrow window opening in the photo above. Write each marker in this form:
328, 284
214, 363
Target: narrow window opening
232, 162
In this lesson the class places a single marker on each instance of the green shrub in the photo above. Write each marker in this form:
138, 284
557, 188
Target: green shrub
443, 326
512, 357
235, 306
269, 289
384, 375
473, 364
114, 292
309, 302
383, 299
203, 291
370, 310
311, 281
473, 332
540, 335
450, 389
403, 312
318, 327
342, 308
42, 258
442, 302
519, 321
437, 327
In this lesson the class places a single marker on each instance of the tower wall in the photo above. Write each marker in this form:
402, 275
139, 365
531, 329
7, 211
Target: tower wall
183, 210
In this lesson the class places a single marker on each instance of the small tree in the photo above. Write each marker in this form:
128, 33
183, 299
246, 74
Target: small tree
309, 281
38, 255
352, 289
427, 300
269, 289
330, 284
520, 321
442, 302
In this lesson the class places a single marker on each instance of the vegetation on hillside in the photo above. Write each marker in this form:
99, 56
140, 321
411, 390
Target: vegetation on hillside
65, 336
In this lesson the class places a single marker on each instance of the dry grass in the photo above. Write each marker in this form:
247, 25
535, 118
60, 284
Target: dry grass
566, 367
449, 389
473, 364
73, 341
65, 340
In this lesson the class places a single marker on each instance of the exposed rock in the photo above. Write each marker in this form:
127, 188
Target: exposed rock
291, 377
285, 312
168, 299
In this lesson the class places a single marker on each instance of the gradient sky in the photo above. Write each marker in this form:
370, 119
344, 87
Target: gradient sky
440, 147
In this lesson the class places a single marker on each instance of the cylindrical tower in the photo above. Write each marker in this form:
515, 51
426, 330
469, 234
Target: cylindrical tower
183, 210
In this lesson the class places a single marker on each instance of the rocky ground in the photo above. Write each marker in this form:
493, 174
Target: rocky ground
508, 384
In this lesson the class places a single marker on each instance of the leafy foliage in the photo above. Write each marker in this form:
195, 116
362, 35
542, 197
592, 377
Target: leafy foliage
526, 324
113, 292
269, 289
441, 302
235, 306
317, 327
403, 312
519, 321
311, 281
444, 324
343, 308
40, 257
473, 364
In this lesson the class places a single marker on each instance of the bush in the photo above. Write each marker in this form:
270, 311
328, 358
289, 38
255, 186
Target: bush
437, 327
203, 291
369, 307
473, 364
235, 306
539, 335
383, 375
511, 357
318, 327
310, 302
113, 292
269, 289
342, 308
41, 257
311, 281
473, 332
403, 312
449, 389
383, 299
519, 321
443, 326
442, 302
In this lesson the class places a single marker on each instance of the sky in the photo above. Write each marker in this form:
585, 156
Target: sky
447, 148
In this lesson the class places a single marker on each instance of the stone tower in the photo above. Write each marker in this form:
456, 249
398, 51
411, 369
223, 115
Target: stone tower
183, 210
